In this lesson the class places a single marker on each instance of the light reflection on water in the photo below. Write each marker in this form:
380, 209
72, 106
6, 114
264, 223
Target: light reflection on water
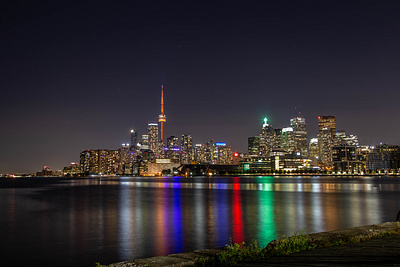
288, 187
108, 220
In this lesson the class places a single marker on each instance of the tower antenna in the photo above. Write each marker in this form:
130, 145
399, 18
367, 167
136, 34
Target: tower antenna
161, 117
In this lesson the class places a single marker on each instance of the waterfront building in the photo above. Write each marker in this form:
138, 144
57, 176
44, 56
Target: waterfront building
128, 158
363, 154
73, 169
345, 159
283, 162
186, 149
45, 172
385, 157
162, 167
101, 161
153, 137
300, 135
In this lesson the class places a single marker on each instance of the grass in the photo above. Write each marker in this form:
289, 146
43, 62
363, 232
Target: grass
235, 253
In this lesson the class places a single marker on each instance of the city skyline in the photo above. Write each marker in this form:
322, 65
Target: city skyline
81, 76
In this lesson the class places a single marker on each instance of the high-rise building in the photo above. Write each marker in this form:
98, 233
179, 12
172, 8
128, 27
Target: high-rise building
186, 148
134, 138
288, 140
200, 153
128, 157
326, 140
342, 139
300, 135
268, 140
223, 153
325, 144
210, 151
327, 122
253, 146
153, 137
314, 151
172, 151
101, 161
145, 142
162, 118
385, 157
345, 159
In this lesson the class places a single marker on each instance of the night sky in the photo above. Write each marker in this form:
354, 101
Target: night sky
79, 75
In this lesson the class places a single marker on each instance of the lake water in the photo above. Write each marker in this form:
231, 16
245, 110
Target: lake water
76, 222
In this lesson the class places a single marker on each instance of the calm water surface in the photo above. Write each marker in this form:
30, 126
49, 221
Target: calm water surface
76, 222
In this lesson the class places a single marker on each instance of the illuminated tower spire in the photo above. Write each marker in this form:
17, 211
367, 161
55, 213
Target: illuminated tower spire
161, 117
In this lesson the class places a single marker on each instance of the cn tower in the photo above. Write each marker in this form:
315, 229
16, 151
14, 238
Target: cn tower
161, 117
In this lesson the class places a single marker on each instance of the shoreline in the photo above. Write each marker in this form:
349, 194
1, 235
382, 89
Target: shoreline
189, 258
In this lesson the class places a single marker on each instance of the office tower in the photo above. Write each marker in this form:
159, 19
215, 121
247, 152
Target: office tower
326, 138
134, 138
210, 151
300, 135
162, 118
287, 140
153, 137
186, 148
200, 153
145, 142
172, 151
128, 157
313, 151
268, 139
253, 145
223, 153
328, 122
325, 144
278, 135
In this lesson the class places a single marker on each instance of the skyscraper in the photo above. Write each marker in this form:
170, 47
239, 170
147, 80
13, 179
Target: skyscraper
253, 145
172, 150
288, 140
268, 139
153, 137
300, 135
162, 118
186, 148
326, 138
328, 122
133, 138
200, 153
313, 151
145, 142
